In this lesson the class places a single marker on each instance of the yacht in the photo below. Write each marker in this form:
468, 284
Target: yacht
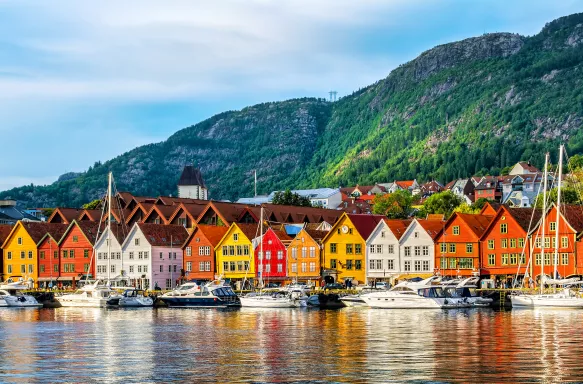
184, 289
212, 295
131, 298
277, 299
90, 295
357, 300
565, 298
10, 296
466, 290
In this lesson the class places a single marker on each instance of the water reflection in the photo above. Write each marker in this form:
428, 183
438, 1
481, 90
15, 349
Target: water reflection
352, 344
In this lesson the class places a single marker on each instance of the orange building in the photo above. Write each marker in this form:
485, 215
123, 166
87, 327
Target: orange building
304, 256
76, 252
457, 251
199, 251
506, 242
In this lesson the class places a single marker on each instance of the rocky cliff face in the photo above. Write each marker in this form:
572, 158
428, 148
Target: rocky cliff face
469, 107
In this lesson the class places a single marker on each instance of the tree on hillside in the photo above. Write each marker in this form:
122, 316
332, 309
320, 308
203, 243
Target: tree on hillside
95, 204
479, 204
396, 205
576, 162
467, 208
289, 198
443, 203
568, 196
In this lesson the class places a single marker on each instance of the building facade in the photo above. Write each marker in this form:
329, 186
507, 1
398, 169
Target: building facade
417, 248
382, 251
199, 252
304, 257
271, 256
235, 253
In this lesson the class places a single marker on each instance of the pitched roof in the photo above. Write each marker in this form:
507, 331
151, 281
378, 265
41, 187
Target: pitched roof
365, 224
160, 235
213, 233
119, 231
228, 212
477, 223
249, 230
165, 212
125, 196
5, 230
37, 231
436, 216
432, 227
283, 213
169, 200
88, 228
398, 227
529, 167
432, 186
523, 215
489, 182
191, 176
281, 235
574, 216
316, 235
92, 214
67, 215
405, 184
193, 210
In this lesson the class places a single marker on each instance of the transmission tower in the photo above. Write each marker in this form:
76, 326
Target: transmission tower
332, 95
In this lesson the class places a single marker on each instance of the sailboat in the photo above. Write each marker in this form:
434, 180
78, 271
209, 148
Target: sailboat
279, 299
98, 293
565, 298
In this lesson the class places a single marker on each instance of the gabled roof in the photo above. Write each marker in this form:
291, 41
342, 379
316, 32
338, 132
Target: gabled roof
169, 200
191, 176
477, 223
249, 230
90, 214
398, 227
159, 235
432, 227
405, 184
192, 210
488, 182
432, 186
119, 231
163, 211
285, 213
492, 206
316, 235
5, 230
281, 235
227, 212
573, 214
126, 197
38, 231
145, 208
528, 167
365, 224
67, 215
213, 233
88, 228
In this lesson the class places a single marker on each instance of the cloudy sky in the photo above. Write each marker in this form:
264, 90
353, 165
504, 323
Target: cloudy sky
85, 81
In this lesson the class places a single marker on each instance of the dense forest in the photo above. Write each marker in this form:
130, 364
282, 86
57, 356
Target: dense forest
467, 108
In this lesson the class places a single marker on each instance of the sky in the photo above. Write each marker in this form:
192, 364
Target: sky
85, 81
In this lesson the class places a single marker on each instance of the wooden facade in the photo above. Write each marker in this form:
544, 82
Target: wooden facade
272, 264
199, 252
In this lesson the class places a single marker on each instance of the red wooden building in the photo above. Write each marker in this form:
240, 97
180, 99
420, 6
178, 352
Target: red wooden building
274, 258
506, 243
199, 251
76, 252
48, 255
457, 251
569, 228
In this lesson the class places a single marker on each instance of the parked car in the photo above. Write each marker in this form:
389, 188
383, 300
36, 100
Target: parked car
333, 286
382, 285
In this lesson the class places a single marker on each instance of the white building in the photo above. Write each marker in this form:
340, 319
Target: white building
191, 185
108, 261
417, 247
321, 197
382, 250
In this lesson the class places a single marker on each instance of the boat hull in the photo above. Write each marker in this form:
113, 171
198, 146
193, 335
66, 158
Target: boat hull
135, 302
82, 302
22, 302
198, 302
546, 301
268, 302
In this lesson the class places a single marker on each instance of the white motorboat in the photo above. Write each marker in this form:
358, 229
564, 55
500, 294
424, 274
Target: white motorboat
10, 296
131, 298
279, 299
187, 288
90, 295
357, 300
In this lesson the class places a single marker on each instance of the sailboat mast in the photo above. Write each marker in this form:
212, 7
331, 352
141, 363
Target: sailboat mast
261, 251
109, 227
556, 258
542, 248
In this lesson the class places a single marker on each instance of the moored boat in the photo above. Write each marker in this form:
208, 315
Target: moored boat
94, 295
131, 298
10, 296
211, 295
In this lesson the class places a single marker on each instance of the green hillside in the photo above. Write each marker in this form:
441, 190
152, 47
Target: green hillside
469, 107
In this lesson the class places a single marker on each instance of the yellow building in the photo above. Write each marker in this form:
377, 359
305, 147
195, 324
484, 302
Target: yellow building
20, 254
234, 253
304, 256
345, 247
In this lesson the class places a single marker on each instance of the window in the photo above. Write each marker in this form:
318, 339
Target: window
443, 263
207, 266
383, 234
131, 269
491, 259
379, 264
503, 228
443, 247
118, 254
304, 267
564, 242
371, 264
236, 237
139, 269
390, 264
75, 239
42, 268
504, 243
350, 231
225, 266
146, 254
372, 248
451, 248
168, 284
42, 255
466, 263
416, 235
145, 269
280, 267
65, 254
312, 266
332, 247
537, 242
304, 252
537, 259
521, 242
407, 251
268, 255
72, 254
225, 250
85, 267
349, 249
504, 259
358, 249
85, 253
294, 267
245, 265
522, 258
113, 268
136, 241
358, 265
161, 256
452, 263
239, 249
553, 242
240, 266
30, 254
333, 263
547, 242
23, 269
348, 265
189, 266
245, 250
312, 252
512, 243
456, 230
279, 255
231, 250
490, 244
232, 266
514, 258
161, 268
547, 259
9, 255
268, 267
200, 266
9, 268
188, 251
56, 268
140, 255
417, 265
425, 250
564, 259
407, 265
417, 250
391, 248
19, 241
553, 226
426, 265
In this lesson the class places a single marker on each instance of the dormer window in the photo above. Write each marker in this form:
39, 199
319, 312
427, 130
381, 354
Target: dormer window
416, 235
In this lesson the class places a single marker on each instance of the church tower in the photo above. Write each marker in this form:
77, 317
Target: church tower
191, 185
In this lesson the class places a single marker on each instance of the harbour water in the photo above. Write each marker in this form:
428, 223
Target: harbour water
347, 345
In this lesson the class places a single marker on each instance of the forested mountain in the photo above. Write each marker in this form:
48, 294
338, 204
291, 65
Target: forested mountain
469, 107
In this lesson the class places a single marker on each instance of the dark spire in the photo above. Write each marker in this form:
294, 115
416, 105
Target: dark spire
191, 176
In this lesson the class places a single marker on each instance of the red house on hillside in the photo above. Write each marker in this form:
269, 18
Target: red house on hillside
76, 252
274, 257
199, 251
